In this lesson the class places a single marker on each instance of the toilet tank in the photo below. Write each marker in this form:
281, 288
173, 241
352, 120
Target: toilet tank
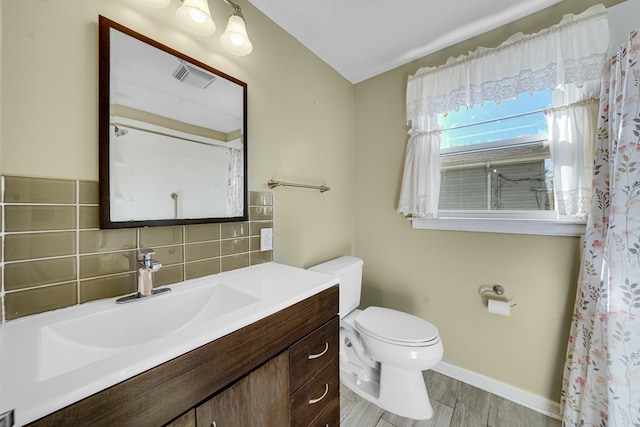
349, 270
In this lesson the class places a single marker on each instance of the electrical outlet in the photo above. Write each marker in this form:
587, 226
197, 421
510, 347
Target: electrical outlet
266, 239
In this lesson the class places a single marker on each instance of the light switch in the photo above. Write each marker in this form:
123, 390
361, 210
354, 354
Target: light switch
266, 239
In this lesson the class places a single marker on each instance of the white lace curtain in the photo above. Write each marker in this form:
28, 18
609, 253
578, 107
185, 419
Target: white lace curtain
420, 182
572, 133
571, 52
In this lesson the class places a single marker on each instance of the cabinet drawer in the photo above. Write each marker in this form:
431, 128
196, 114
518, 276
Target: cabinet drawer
313, 352
330, 416
314, 396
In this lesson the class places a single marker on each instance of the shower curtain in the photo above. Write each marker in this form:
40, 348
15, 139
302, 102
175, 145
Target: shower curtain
601, 383
235, 183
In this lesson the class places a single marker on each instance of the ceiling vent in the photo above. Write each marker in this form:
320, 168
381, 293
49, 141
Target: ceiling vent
193, 76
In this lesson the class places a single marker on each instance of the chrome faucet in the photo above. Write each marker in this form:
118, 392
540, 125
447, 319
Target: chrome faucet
146, 267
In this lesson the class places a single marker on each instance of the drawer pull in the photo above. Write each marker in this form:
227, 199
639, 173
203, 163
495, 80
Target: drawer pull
326, 390
322, 353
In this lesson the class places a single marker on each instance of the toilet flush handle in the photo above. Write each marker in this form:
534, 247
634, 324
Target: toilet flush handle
322, 353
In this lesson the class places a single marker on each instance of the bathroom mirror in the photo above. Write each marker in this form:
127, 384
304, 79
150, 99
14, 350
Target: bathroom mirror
172, 135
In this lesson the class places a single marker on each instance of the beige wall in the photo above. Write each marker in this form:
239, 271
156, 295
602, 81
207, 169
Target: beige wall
303, 121
301, 112
436, 274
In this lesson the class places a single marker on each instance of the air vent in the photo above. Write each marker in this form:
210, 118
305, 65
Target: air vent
193, 76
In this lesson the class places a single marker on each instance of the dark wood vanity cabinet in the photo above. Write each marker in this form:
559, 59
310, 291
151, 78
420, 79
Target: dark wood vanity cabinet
259, 399
315, 386
299, 387
281, 370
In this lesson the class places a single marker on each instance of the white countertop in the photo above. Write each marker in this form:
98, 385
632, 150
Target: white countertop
33, 395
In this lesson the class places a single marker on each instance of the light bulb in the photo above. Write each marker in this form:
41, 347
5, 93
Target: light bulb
195, 15
235, 39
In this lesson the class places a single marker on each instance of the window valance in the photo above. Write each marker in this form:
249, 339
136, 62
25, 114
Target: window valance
572, 51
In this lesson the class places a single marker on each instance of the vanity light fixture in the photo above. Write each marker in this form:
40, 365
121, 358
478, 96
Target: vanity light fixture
195, 16
235, 39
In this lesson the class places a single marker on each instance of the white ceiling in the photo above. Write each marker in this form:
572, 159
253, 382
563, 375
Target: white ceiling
142, 78
363, 38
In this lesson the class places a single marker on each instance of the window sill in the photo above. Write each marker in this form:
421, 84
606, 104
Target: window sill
536, 226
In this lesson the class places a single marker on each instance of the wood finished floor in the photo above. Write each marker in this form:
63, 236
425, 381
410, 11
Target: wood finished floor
455, 404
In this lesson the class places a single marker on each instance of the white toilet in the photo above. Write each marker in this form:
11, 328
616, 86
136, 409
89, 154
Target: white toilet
382, 351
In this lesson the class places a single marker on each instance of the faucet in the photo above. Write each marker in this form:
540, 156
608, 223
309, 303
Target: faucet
146, 267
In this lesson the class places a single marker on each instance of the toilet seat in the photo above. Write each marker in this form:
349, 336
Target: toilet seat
396, 327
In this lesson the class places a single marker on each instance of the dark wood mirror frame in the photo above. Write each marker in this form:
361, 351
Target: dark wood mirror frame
104, 101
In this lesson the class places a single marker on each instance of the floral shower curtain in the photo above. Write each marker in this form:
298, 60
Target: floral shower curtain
601, 384
235, 183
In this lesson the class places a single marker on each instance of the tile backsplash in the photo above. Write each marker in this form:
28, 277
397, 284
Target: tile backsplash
55, 255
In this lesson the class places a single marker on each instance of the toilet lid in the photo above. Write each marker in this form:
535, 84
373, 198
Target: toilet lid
395, 326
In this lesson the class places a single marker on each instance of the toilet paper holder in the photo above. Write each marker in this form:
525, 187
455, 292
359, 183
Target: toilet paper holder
494, 292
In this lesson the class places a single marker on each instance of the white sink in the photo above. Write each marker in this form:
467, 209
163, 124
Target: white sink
74, 343
53, 359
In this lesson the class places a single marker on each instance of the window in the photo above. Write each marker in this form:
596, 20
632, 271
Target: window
479, 154
496, 170
496, 156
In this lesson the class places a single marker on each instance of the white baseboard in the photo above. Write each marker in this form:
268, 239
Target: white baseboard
509, 392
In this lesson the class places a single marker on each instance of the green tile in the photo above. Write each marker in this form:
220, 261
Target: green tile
160, 236
107, 240
168, 275
231, 230
39, 245
254, 243
89, 217
255, 227
107, 287
39, 218
39, 300
39, 190
202, 232
169, 255
261, 213
106, 268
196, 251
257, 198
89, 193
233, 262
261, 257
202, 268
107, 264
27, 274
234, 246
